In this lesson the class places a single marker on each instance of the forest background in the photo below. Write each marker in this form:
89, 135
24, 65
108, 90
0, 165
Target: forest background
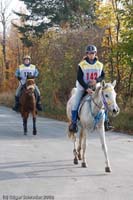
55, 35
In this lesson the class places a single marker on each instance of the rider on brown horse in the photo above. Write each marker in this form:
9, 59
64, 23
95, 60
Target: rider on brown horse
26, 70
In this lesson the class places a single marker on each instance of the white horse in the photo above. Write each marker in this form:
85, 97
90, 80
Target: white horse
92, 116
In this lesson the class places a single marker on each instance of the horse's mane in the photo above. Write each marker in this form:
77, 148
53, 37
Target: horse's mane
30, 82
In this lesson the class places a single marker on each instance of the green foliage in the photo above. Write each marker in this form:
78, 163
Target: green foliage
43, 14
58, 58
58, 11
124, 122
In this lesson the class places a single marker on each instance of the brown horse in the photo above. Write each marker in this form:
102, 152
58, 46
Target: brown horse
28, 104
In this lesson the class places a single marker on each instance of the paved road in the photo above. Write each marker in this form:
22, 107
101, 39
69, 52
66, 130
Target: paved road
41, 167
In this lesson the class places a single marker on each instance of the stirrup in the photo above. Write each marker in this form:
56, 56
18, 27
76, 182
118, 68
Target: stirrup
107, 126
16, 108
39, 107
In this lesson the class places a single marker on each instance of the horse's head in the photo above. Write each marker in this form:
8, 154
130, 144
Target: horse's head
30, 86
109, 97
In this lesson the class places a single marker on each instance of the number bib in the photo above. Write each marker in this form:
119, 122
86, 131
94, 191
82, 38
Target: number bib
90, 71
26, 71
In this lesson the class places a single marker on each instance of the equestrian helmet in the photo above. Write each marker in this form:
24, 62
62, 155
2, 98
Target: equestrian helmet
27, 57
91, 48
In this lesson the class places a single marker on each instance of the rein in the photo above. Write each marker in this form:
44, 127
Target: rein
100, 114
101, 109
105, 103
95, 103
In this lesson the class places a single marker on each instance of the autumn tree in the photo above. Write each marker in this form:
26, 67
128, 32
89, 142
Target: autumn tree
57, 56
115, 18
4, 17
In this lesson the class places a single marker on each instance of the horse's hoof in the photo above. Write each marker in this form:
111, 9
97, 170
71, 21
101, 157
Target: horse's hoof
84, 165
34, 133
107, 169
75, 161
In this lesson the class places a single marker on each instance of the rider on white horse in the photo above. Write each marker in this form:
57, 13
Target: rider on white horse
26, 69
90, 72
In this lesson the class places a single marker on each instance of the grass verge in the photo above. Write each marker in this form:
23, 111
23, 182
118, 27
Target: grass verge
122, 123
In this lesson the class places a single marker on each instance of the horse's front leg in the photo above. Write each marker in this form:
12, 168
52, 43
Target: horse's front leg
25, 125
34, 126
84, 148
25, 118
104, 148
80, 144
75, 161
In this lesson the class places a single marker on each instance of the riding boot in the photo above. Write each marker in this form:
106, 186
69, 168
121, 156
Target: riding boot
16, 106
38, 104
107, 125
73, 126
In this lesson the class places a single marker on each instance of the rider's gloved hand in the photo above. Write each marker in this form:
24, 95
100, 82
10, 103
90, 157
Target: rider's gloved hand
89, 91
92, 83
30, 77
19, 78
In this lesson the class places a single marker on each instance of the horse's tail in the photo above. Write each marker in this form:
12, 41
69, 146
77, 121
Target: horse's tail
71, 135
69, 107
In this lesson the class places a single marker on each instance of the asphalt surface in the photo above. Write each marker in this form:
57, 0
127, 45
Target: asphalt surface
41, 166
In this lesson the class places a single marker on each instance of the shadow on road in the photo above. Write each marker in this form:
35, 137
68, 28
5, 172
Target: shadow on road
46, 169
11, 126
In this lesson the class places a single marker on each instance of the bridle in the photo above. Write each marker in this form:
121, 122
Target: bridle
106, 104
30, 88
109, 102
101, 112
